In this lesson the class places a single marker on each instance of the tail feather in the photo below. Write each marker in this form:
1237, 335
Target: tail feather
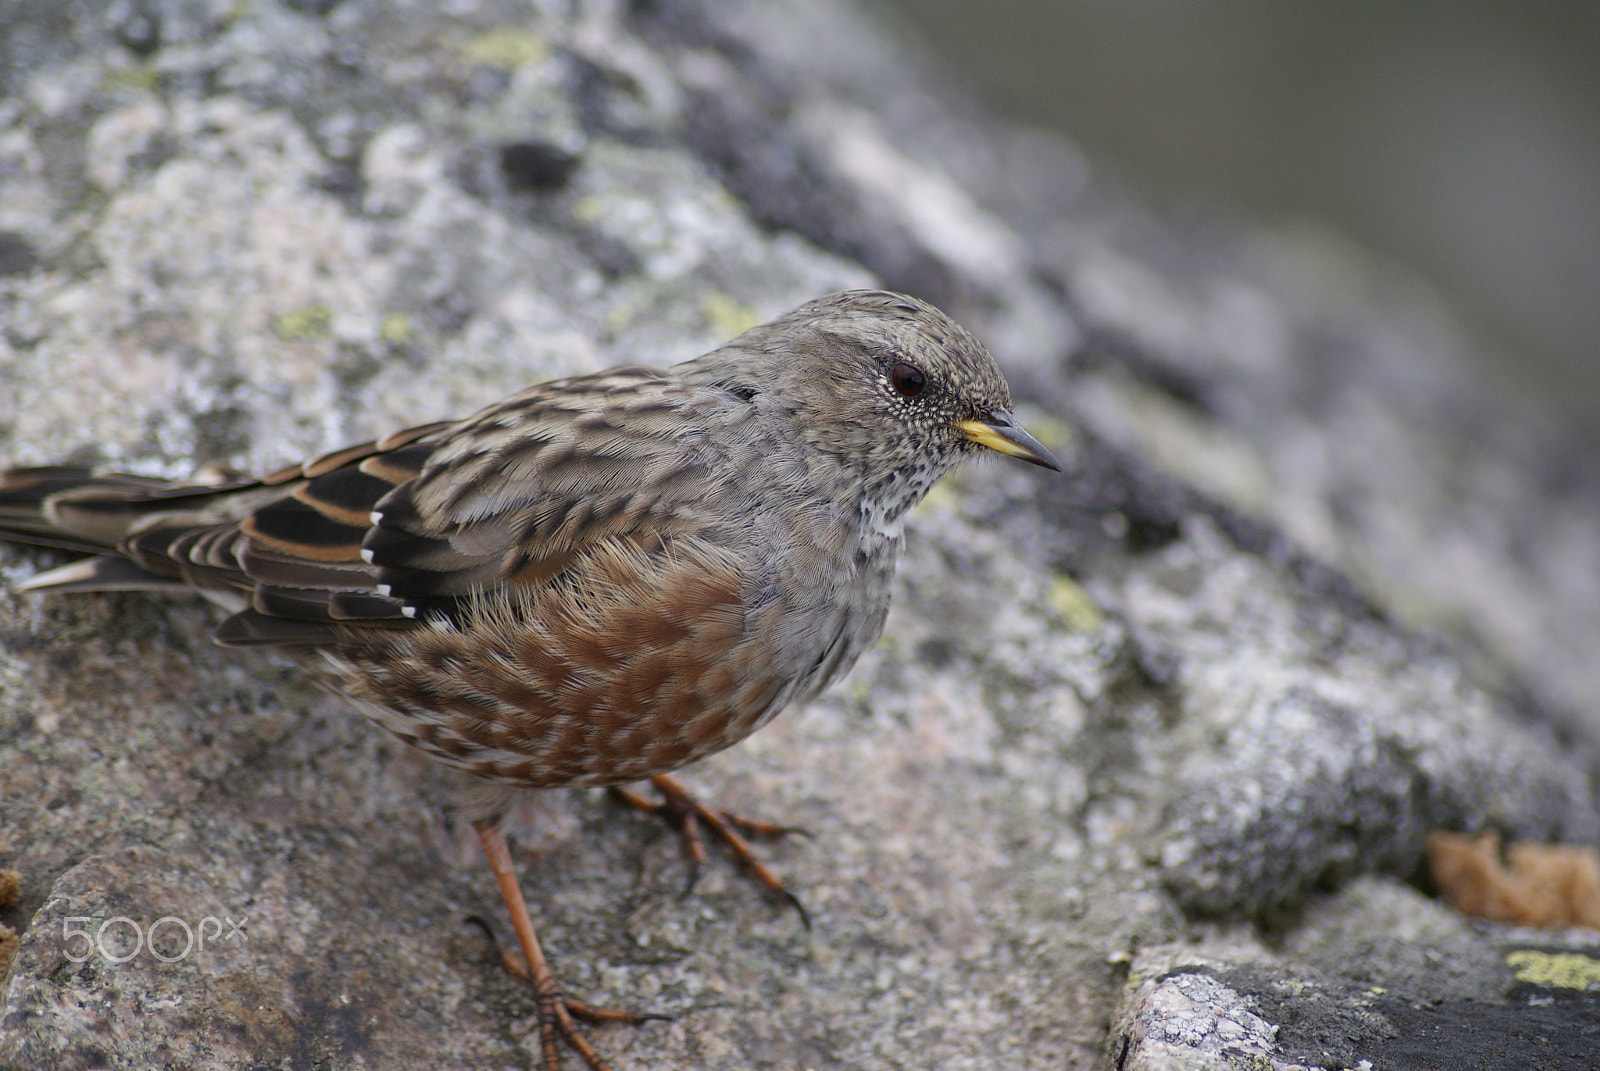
25, 496
283, 553
127, 522
103, 573
77, 508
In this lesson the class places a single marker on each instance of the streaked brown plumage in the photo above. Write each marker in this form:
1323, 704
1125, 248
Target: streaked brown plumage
595, 581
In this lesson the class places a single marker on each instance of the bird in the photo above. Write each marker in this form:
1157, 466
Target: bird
595, 582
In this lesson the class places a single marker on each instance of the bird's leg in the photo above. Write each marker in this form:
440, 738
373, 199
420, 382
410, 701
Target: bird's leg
556, 1009
680, 809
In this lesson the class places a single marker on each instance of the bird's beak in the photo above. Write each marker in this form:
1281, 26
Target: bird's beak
1000, 432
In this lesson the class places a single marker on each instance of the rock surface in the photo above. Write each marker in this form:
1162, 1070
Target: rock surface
1146, 751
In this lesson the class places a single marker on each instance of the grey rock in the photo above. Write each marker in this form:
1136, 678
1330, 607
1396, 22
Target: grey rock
1373, 976
1306, 592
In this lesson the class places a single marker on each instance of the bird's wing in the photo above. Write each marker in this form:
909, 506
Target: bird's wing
525, 489
592, 480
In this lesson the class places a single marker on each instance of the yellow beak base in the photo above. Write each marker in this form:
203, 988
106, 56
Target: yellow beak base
1002, 434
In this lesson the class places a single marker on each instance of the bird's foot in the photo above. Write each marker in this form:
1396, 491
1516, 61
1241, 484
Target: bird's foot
679, 809
558, 1013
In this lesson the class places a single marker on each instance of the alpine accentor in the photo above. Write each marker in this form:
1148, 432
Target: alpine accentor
596, 581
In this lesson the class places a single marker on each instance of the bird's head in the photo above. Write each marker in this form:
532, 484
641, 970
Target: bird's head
892, 387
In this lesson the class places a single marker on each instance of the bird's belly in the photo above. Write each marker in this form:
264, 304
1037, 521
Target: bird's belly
506, 708
533, 691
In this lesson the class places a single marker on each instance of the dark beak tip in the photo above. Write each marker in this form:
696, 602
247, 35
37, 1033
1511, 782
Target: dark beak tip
1034, 452
1047, 461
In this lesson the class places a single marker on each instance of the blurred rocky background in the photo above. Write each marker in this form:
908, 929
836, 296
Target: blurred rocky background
1459, 141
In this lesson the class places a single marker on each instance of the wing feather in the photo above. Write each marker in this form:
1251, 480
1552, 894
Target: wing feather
556, 488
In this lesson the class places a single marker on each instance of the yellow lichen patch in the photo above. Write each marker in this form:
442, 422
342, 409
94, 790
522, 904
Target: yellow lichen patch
946, 494
141, 76
396, 329
621, 315
1078, 611
589, 209
1563, 970
1055, 434
506, 49
728, 317
305, 324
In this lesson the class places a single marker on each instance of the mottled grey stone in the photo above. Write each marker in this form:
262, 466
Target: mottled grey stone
1375, 976
1306, 591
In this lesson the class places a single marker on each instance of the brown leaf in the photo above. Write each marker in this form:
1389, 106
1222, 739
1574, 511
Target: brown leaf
1535, 885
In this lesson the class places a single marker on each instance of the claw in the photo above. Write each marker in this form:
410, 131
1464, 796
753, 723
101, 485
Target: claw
679, 808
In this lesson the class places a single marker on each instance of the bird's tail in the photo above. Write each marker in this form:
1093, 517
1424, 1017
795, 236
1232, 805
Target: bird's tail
78, 509
286, 547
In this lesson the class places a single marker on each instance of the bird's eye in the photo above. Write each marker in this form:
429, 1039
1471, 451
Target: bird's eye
907, 380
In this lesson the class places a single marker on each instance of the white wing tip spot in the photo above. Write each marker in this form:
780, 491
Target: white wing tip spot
409, 611
366, 555
383, 589
376, 518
